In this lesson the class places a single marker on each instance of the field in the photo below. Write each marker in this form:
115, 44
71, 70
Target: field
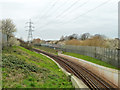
26, 69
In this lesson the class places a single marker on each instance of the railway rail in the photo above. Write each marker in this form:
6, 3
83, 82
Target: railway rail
89, 78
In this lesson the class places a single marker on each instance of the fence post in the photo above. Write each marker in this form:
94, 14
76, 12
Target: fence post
118, 58
95, 52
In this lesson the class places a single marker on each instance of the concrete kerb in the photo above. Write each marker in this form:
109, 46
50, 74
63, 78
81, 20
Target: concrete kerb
77, 83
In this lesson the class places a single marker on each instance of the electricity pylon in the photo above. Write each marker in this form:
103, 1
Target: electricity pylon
30, 30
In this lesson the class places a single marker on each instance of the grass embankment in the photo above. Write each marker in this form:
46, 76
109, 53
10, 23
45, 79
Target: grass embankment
26, 69
47, 49
90, 59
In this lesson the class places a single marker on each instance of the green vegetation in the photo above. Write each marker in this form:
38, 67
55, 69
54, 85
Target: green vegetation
87, 58
47, 49
90, 59
23, 68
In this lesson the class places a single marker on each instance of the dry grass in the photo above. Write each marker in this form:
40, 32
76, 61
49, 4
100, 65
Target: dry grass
93, 41
73, 42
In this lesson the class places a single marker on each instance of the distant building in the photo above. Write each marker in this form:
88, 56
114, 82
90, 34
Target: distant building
36, 41
52, 42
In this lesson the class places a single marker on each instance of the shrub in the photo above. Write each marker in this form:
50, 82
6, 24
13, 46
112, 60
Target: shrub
15, 63
13, 42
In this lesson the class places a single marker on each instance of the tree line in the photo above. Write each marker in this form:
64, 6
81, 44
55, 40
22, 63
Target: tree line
86, 39
83, 36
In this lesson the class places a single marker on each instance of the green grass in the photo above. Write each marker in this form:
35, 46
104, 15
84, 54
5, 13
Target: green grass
26, 69
90, 59
50, 50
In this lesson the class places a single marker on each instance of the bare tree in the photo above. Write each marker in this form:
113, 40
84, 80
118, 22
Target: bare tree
70, 37
74, 36
85, 36
100, 36
62, 38
8, 28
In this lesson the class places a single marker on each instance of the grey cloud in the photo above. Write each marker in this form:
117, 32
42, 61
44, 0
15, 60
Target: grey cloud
102, 20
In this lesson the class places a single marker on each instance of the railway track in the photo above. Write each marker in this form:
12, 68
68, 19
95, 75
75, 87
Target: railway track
90, 79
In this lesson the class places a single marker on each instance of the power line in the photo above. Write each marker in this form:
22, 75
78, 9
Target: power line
62, 12
90, 10
30, 30
54, 11
49, 13
40, 14
81, 5
58, 8
68, 8
52, 6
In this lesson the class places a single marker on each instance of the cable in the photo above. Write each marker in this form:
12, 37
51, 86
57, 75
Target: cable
90, 10
63, 11
41, 11
52, 6
54, 10
68, 8
58, 8
78, 6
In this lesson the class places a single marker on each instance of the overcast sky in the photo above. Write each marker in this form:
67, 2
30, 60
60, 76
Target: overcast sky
54, 18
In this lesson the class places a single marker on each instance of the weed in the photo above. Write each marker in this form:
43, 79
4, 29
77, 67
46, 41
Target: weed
32, 84
26, 69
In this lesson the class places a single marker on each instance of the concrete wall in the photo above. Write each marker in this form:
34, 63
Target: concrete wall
104, 72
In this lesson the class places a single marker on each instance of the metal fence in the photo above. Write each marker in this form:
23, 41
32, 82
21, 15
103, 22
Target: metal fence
111, 56
3, 39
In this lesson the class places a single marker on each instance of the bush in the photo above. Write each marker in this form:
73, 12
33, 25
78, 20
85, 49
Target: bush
13, 42
16, 63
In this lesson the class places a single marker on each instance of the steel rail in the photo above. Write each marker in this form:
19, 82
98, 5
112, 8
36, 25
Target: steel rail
90, 79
